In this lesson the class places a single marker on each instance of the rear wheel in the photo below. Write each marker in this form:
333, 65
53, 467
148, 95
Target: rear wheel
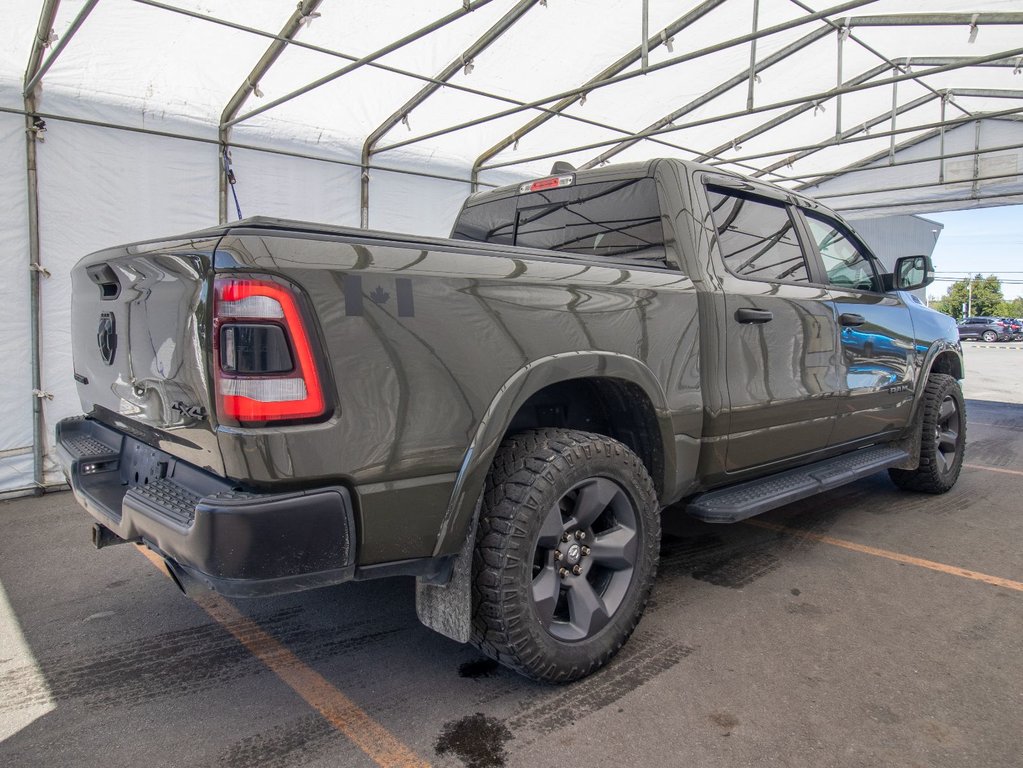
942, 438
566, 553
989, 336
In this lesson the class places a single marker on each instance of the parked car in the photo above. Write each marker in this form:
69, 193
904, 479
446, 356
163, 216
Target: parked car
273, 405
1015, 327
984, 328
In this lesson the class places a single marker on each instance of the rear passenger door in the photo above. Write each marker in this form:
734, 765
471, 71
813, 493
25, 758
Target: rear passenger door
876, 334
779, 329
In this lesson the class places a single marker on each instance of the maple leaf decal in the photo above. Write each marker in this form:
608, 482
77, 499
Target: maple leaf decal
379, 295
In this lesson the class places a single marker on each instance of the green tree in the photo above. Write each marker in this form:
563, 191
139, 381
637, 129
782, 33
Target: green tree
987, 297
1010, 308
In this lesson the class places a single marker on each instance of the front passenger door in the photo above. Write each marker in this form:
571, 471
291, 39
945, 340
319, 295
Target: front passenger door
876, 335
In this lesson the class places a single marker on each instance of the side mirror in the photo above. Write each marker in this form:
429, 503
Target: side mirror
912, 272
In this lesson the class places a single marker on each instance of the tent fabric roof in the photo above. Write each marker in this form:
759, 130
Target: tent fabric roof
792, 90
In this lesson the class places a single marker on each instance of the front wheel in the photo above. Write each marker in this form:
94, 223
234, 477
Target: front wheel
566, 553
942, 438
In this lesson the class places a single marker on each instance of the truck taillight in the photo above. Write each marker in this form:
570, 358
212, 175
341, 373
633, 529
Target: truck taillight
264, 365
552, 182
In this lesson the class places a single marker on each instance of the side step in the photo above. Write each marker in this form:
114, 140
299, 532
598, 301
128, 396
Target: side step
737, 502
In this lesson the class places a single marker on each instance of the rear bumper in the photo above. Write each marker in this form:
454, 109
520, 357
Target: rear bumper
235, 542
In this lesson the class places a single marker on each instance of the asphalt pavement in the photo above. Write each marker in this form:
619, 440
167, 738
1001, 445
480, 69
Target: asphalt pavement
865, 627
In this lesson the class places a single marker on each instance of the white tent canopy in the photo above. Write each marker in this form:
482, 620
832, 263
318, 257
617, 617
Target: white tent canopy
385, 112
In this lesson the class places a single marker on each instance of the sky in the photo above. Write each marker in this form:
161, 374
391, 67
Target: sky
985, 240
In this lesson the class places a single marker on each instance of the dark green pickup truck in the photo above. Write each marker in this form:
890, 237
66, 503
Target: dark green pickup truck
274, 405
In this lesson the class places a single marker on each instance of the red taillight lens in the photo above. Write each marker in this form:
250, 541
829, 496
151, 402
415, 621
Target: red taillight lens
265, 367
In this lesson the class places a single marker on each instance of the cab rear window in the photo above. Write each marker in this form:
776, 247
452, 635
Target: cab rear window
620, 220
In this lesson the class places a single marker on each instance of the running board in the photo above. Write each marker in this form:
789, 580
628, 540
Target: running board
737, 502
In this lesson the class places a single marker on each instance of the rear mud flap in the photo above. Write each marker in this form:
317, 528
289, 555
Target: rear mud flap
447, 608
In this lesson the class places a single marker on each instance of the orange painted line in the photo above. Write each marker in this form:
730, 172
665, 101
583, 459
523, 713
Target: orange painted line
898, 557
336, 708
994, 469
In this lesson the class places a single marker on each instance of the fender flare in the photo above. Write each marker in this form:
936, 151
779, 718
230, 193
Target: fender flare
519, 387
937, 348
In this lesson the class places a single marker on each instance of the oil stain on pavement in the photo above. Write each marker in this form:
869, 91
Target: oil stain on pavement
478, 740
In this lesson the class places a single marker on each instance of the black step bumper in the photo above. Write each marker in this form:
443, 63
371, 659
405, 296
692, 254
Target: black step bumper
238, 543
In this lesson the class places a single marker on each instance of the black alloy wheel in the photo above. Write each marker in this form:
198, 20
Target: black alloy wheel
584, 559
946, 434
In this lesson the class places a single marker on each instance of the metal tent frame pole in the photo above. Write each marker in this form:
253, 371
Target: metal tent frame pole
42, 38
865, 164
367, 61
845, 31
825, 175
578, 91
848, 133
466, 8
370, 61
922, 203
235, 144
463, 62
44, 67
808, 99
865, 76
938, 19
630, 58
302, 12
920, 185
712, 94
781, 119
1006, 113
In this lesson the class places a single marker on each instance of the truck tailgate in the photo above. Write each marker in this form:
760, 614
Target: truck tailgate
139, 322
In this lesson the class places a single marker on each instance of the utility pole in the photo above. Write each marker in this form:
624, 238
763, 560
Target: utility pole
969, 311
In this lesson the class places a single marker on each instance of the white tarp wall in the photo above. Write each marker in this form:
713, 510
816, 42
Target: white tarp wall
16, 389
101, 186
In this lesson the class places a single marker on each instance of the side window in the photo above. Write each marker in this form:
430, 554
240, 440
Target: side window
757, 237
845, 265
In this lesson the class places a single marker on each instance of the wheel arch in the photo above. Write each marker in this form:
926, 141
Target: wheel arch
942, 356
946, 359
622, 372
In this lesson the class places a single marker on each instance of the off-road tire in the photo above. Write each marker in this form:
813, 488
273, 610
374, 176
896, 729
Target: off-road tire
534, 473
937, 473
